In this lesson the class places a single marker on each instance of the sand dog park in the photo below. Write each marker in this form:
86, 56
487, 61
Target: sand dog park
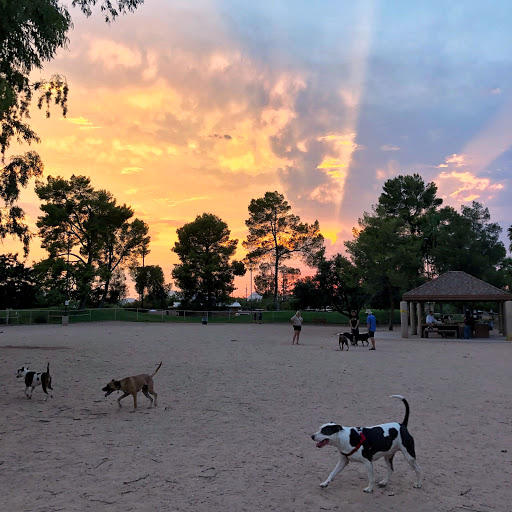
237, 405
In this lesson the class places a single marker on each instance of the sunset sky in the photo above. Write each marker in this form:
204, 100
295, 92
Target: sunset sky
186, 107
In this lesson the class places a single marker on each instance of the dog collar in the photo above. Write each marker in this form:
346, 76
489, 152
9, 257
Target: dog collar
361, 441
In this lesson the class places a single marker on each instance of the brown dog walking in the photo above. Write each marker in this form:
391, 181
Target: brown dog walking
132, 385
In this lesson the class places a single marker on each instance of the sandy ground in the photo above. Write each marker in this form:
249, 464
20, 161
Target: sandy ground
237, 406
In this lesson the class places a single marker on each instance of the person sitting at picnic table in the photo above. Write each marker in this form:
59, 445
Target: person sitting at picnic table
431, 321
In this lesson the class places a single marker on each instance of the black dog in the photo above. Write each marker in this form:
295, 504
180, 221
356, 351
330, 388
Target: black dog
362, 337
350, 337
354, 338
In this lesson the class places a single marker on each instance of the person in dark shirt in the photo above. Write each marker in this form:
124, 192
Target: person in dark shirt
354, 323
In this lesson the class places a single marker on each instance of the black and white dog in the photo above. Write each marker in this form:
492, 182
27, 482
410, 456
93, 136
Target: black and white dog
367, 444
33, 379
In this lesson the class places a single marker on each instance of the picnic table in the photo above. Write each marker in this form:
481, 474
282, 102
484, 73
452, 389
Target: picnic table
452, 330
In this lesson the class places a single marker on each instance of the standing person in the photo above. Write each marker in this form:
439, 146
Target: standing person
354, 323
371, 324
468, 327
297, 325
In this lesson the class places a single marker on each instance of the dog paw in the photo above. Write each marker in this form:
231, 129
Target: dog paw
382, 483
368, 489
417, 486
324, 484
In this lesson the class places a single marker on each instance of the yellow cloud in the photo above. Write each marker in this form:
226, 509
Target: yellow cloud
171, 202
330, 163
330, 235
131, 170
82, 121
338, 158
137, 148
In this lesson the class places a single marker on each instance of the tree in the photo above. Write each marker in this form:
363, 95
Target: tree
140, 280
264, 280
88, 226
391, 248
510, 238
205, 275
122, 243
308, 294
31, 32
470, 242
56, 283
151, 278
276, 235
18, 283
409, 199
13, 176
389, 261
341, 284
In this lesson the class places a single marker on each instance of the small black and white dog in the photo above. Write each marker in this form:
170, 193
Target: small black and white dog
33, 379
366, 444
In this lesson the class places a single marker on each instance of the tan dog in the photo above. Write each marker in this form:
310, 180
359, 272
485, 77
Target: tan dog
131, 386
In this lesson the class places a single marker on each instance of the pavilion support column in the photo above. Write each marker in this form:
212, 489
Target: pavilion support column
414, 324
500, 318
507, 320
419, 314
404, 319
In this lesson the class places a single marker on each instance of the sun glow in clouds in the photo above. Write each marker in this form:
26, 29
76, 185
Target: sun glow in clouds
335, 165
461, 184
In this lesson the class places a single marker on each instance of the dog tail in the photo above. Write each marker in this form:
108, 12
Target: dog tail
157, 369
406, 419
48, 368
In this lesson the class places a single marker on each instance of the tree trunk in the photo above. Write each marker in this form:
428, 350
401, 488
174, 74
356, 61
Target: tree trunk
104, 294
276, 285
391, 308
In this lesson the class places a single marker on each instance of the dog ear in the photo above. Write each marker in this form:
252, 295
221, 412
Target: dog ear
117, 384
329, 430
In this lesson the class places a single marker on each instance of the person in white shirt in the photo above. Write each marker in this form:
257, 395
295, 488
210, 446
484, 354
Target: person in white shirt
297, 325
431, 321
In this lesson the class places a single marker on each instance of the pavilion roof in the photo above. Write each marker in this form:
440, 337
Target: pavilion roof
457, 286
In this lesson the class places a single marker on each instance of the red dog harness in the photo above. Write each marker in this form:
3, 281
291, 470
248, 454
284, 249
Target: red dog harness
361, 441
